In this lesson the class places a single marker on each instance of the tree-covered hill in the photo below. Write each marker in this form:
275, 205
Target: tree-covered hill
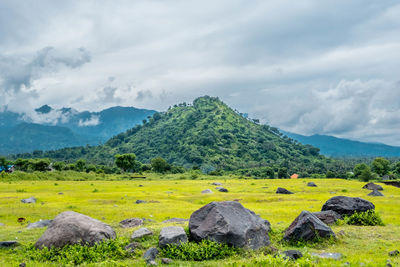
207, 133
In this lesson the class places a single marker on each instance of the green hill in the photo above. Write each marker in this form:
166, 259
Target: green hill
208, 134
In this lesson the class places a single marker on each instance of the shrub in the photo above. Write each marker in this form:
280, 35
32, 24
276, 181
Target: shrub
204, 250
369, 217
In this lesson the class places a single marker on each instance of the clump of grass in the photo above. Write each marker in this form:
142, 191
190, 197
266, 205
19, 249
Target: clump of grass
345, 190
21, 191
95, 190
368, 218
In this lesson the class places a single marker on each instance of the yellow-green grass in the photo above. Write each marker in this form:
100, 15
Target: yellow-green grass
113, 201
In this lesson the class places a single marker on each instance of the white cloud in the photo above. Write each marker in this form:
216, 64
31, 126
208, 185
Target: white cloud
92, 121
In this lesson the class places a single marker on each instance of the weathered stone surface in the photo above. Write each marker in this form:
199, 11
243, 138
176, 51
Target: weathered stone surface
328, 255
172, 235
8, 244
311, 184
142, 232
140, 201
206, 191
150, 255
176, 220
216, 183
372, 186
375, 193
224, 190
71, 227
292, 254
29, 200
39, 224
131, 222
281, 190
230, 223
347, 205
328, 216
307, 227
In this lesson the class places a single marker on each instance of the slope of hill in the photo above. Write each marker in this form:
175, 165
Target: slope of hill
207, 133
339, 147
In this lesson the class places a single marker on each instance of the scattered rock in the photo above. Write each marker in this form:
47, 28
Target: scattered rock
152, 263
140, 185
71, 227
216, 183
281, 190
166, 261
148, 220
328, 216
328, 255
176, 220
39, 224
292, 254
60, 193
394, 253
223, 190
2, 224
29, 200
230, 223
22, 264
132, 246
8, 244
207, 191
172, 235
150, 255
21, 220
372, 186
347, 205
142, 232
140, 201
131, 222
307, 227
375, 193
311, 184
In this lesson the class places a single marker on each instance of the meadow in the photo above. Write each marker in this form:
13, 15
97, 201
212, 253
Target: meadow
111, 199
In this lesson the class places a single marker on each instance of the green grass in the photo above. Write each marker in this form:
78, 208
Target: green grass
175, 196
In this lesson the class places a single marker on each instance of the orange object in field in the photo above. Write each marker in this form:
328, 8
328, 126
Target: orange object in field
294, 176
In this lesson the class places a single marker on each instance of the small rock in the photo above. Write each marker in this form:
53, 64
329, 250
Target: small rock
223, 190
281, 190
8, 244
328, 255
328, 216
131, 222
216, 183
375, 193
172, 235
207, 191
140, 185
176, 220
311, 184
22, 264
292, 254
394, 253
132, 246
152, 263
166, 261
372, 186
61, 193
39, 224
148, 220
150, 255
142, 232
140, 201
29, 200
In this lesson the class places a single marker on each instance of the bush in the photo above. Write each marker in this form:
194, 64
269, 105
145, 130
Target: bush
78, 254
205, 250
369, 217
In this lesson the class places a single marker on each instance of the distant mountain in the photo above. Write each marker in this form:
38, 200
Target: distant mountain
64, 127
339, 147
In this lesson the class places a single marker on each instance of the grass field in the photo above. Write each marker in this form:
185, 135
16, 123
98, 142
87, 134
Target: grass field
113, 201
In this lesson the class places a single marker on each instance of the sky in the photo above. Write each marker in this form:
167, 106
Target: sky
309, 66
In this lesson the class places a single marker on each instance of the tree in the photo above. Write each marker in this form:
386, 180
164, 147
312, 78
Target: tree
59, 165
80, 165
159, 165
125, 161
358, 169
366, 174
380, 166
397, 168
3, 162
269, 172
40, 165
283, 173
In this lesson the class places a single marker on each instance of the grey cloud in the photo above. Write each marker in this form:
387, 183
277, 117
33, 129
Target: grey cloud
142, 94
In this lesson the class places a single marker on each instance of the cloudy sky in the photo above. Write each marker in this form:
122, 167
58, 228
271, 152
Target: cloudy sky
308, 66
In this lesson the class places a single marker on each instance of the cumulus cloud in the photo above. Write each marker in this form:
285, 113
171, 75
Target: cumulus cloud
92, 121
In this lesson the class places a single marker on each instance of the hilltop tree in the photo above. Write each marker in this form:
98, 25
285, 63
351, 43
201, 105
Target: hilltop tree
125, 161
359, 168
380, 166
365, 175
159, 165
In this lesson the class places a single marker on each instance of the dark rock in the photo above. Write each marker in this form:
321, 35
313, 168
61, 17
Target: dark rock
166, 261
375, 193
292, 254
140, 201
142, 232
71, 227
394, 253
140, 185
307, 227
172, 235
311, 184
131, 222
328, 216
216, 183
281, 190
207, 191
150, 255
8, 244
176, 220
39, 224
61, 193
347, 205
132, 246
29, 200
372, 186
328, 255
230, 223
223, 190
22, 264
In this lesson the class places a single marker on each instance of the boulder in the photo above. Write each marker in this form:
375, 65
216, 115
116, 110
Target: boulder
292, 254
328, 255
150, 255
230, 223
347, 205
39, 224
224, 190
29, 200
176, 220
311, 184
375, 193
328, 216
172, 235
8, 244
307, 227
131, 222
206, 191
394, 253
281, 190
71, 227
142, 232
140, 201
372, 186
216, 183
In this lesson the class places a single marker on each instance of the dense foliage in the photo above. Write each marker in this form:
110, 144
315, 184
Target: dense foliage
369, 217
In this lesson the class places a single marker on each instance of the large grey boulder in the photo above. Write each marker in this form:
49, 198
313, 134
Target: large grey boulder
372, 186
307, 227
39, 224
71, 227
142, 232
281, 190
375, 193
29, 200
230, 223
328, 216
347, 205
172, 235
